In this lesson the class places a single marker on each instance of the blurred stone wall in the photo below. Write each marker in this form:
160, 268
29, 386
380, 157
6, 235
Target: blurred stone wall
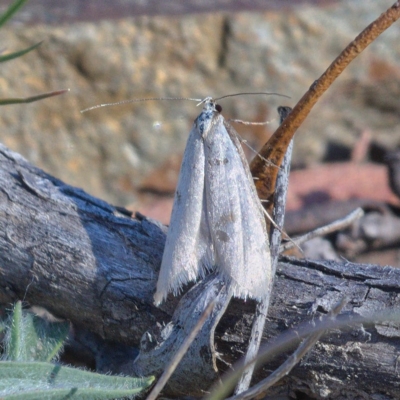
118, 152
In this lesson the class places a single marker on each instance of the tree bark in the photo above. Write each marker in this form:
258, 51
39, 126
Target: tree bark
93, 264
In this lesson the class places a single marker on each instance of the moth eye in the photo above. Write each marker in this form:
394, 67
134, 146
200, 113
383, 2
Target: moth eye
218, 108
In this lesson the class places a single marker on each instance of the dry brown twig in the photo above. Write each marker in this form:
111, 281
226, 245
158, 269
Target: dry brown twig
275, 149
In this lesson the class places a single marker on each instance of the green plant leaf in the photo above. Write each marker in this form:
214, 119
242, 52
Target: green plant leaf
31, 338
38, 380
13, 336
14, 7
23, 100
11, 56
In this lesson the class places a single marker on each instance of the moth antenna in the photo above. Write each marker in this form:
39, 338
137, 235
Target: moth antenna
252, 94
140, 100
200, 101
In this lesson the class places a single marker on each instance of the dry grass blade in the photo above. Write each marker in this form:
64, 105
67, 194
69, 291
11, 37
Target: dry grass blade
259, 390
24, 100
170, 368
274, 150
11, 10
270, 350
12, 56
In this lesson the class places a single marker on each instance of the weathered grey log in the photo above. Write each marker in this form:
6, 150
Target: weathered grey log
92, 263
60, 248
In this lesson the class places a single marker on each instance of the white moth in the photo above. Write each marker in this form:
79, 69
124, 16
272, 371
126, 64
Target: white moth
217, 220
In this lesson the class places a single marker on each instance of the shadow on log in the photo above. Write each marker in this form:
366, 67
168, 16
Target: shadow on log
93, 264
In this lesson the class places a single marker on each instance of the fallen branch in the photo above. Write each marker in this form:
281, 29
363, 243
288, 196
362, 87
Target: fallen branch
93, 264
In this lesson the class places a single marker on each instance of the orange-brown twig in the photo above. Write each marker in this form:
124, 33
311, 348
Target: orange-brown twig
274, 150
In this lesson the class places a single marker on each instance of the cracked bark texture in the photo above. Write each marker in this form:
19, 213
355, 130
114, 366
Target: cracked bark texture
93, 264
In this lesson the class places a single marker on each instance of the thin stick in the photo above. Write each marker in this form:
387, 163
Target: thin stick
324, 230
281, 188
276, 235
275, 149
170, 368
261, 387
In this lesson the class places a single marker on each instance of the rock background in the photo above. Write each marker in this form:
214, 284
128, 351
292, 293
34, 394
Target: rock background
121, 153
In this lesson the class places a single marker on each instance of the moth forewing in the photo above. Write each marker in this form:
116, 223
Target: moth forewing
237, 224
217, 220
180, 262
